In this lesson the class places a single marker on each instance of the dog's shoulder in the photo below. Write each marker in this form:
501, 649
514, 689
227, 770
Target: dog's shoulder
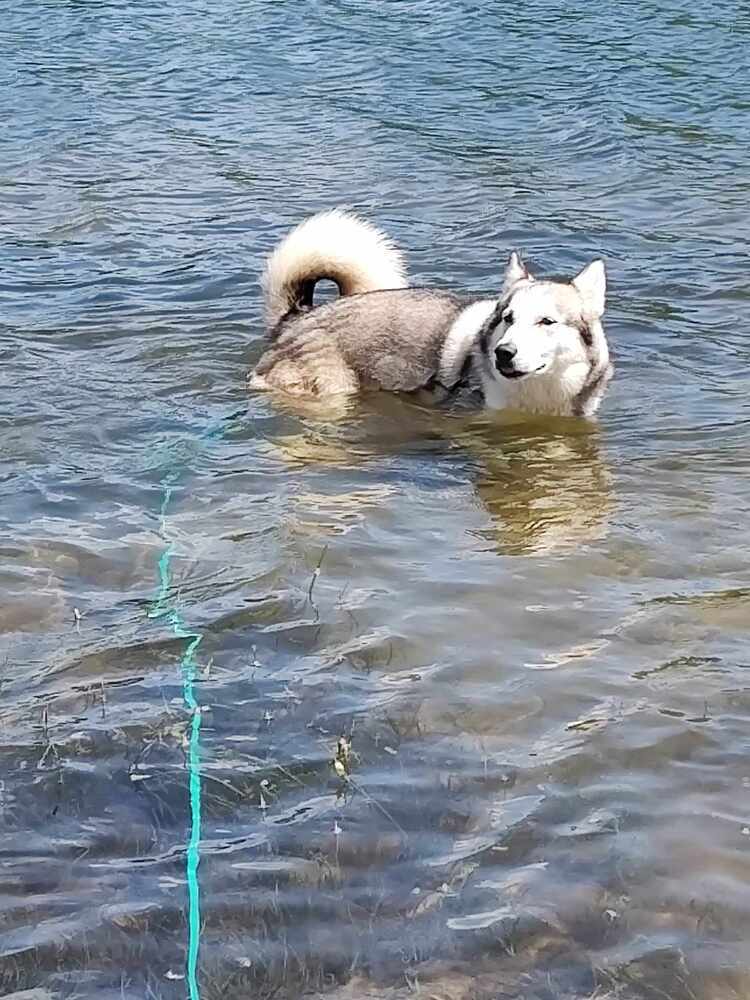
462, 339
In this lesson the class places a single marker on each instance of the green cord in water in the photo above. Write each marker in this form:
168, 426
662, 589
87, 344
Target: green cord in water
166, 609
163, 609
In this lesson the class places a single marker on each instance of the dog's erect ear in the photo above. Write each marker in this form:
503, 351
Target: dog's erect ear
592, 286
514, 272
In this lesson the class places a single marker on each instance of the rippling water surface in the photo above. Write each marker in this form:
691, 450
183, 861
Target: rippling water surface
535, 635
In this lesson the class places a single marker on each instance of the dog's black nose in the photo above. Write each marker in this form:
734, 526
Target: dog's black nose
504, 355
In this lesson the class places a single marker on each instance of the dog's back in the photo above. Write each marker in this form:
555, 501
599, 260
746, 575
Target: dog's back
378, 332
387, 339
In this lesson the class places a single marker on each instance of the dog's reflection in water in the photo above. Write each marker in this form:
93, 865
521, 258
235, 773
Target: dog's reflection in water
545, 489
543, 483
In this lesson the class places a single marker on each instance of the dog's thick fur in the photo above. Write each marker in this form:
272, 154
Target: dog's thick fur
539, 346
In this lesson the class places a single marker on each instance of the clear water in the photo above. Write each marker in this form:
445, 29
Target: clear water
537, 636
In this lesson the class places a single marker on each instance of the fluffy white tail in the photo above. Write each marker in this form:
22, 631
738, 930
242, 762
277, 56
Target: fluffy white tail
336, 245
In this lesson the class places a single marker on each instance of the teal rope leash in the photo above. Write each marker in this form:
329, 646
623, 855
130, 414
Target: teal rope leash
166, 609
188, 667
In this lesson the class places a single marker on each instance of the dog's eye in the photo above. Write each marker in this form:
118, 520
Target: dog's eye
507, 318
546, 321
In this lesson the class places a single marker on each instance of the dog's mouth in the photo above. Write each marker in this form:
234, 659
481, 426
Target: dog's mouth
515, 373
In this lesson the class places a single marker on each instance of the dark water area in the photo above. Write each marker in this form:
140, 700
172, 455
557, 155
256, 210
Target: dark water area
534, 634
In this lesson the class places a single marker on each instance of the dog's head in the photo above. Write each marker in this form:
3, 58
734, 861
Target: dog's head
547, 327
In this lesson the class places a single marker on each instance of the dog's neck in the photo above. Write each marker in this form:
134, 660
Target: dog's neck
553, 392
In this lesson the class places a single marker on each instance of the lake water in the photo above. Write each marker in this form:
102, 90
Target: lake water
536, 635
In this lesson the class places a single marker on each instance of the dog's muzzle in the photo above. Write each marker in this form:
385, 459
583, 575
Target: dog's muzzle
504, 354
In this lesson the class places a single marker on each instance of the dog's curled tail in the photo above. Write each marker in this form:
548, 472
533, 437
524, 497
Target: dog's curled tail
334, 245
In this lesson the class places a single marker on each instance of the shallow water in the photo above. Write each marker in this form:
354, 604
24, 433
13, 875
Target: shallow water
536, 635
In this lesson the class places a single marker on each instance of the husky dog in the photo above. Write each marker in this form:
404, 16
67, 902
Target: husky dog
539, 346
